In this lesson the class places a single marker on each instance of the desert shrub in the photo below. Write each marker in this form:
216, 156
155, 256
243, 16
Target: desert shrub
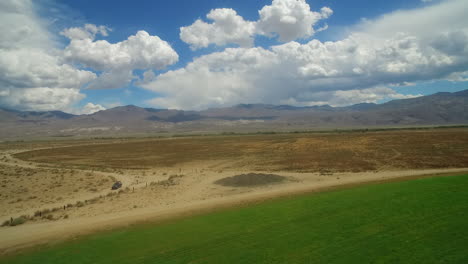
18, 221
65, 217
80, 204
37, 213
6, 223
50, 217
45, 211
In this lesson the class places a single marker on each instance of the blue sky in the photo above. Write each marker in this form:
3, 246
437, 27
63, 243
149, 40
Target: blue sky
165, 18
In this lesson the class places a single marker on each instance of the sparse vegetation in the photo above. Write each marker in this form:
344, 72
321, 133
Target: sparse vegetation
326, 152
18, 221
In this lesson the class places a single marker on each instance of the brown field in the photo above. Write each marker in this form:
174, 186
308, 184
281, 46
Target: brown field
336, 152
62, 188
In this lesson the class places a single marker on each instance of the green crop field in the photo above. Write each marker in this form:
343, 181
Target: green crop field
417, 221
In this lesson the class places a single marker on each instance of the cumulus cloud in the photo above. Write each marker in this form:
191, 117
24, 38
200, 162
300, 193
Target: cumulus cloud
32, 67
41, 98
88, 31
37, 74
287, 19
91, 108
20, 27
290, 19
140, 51
382, 52
32, 74
117, 61
227, 27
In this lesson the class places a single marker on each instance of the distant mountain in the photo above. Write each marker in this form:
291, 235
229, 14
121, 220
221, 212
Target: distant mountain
437, 109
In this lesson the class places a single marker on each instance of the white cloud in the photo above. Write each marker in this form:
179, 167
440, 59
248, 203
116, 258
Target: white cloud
287, 19
88, 31
117, 61
290, 19
378, 53
227, 27
350, 97
20, 27
115, 78
41, 98
36, 74
91, 108
32, 67
140, 51
32, 74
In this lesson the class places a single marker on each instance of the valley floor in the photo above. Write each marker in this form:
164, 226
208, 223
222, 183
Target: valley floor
66, 200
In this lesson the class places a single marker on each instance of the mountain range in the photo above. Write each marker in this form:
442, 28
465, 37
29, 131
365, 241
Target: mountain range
437, 109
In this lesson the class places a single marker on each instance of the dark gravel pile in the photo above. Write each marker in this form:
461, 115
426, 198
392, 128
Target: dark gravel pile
250, 179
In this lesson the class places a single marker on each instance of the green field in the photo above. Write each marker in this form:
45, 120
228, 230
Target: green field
417, 221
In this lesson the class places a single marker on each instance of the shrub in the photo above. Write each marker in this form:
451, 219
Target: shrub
80, 204
18, 221
6, 223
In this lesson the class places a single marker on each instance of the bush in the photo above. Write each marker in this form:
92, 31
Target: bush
6, 223
18, 221
80, 204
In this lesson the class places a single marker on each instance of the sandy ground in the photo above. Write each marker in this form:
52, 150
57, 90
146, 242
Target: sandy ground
147, 195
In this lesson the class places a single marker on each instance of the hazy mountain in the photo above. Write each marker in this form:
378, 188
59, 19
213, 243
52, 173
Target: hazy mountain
436, 109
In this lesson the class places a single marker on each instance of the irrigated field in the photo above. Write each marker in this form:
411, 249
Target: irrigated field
418, 221
354, 152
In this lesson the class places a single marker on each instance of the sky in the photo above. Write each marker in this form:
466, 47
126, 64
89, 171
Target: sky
84, 56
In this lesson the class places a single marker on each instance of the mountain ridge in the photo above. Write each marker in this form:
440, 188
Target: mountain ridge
436, 109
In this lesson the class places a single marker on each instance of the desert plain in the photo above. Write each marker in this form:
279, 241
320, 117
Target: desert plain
61, 189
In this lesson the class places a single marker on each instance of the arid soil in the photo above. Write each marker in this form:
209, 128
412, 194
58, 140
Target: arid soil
63, 189
352, 151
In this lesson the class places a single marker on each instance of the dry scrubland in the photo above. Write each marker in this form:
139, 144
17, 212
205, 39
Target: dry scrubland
352, 151
63, 187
